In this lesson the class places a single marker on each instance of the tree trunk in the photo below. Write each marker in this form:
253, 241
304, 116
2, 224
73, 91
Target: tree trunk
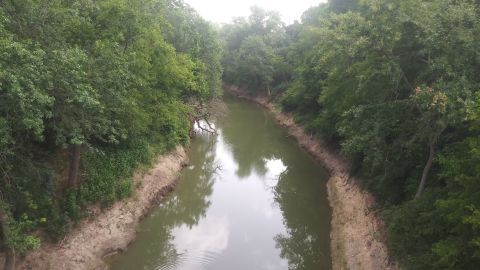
268, 90
9, 259
75, 151
9, 252
426, 169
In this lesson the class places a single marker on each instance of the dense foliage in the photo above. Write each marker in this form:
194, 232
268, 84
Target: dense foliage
395, 84
89, 91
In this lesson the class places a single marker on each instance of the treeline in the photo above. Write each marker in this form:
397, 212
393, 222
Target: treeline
395, 84
89, 91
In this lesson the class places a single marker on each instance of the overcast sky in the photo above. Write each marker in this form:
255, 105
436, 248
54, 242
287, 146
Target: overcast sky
222, 11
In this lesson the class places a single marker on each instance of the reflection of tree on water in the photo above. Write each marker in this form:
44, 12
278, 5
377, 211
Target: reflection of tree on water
186, 206
251, 138
180, 235
299, 192
190, 202
304, 218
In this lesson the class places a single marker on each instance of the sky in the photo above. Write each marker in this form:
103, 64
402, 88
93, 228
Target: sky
223, 11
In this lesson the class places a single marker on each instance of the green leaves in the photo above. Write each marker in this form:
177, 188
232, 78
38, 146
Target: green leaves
102, 74
25, 103
196, 37
16, 237
254, 52
77, 109
396, 84
255, 63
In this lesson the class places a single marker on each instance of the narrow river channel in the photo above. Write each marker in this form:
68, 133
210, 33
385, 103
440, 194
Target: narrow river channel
251, 199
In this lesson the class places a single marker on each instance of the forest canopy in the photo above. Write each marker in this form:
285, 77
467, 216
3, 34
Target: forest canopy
395, 85
89, 91
92, 90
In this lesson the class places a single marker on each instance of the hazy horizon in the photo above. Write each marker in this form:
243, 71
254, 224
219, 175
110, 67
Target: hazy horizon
223, 11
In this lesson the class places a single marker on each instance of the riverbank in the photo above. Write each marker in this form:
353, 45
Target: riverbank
356, 236
111, 230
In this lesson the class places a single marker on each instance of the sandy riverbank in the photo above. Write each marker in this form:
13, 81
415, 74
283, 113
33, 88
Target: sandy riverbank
113, 229
356, 238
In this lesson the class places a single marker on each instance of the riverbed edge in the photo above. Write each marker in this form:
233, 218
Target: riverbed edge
111, 230
357, 233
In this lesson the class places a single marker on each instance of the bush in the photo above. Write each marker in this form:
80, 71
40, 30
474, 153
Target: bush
108, 171
413, 227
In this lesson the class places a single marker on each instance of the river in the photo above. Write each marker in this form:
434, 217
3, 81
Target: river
250, 199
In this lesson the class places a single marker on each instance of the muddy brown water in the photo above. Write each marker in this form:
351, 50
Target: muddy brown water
250, 199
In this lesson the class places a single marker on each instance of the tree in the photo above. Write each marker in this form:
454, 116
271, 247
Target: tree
5, 230
341, 6
391, 82
105, 84
255, 50
432, 105
76, 109
460, 207
255, 64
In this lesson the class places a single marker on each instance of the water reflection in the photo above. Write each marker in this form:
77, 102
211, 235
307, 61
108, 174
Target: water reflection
203, 242
188, 206
250, 140
179, 213
251, 199
302, 245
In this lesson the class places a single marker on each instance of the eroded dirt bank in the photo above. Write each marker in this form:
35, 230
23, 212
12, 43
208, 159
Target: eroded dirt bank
113, 229
356, 238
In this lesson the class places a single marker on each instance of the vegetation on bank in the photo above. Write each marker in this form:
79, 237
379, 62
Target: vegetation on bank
395, 84
89, 91
92, 89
